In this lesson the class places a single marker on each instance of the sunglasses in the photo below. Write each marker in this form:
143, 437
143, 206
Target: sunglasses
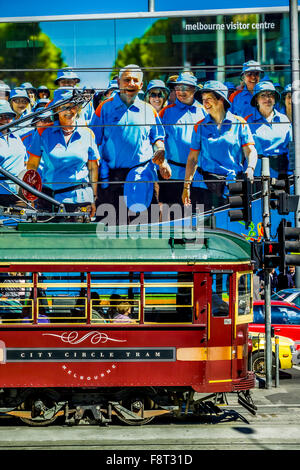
252, 73
156, 95
183, 88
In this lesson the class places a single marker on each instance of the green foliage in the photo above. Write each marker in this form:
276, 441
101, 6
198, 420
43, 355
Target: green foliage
25, 46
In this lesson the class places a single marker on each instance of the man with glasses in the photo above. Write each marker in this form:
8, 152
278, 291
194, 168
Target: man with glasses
241, 99
178, 120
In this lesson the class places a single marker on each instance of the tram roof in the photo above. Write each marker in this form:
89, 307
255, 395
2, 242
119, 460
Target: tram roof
68, 242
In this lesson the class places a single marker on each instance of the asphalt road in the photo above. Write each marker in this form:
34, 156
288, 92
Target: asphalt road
276, 426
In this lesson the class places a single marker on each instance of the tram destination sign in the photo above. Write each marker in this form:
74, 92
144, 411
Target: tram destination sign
90, 354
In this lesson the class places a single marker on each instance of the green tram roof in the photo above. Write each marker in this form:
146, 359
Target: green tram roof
90, 242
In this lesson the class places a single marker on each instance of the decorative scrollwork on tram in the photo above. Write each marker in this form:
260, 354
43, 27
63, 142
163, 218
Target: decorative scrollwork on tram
94, 336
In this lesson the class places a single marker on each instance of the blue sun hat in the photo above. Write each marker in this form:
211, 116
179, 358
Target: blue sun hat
251, 66
18, 93
218, 88
4, 88
43, 88
41, 103
263, 86
187, 79
157, 84
66, 74
287, 89
138, 188
5, 108
230, 85
61, 94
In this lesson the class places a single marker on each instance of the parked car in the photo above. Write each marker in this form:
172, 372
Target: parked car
285, 319
291, 296
286, 352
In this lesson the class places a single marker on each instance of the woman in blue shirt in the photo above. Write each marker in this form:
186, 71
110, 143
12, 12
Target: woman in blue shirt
69, 156
271, 130
221, 142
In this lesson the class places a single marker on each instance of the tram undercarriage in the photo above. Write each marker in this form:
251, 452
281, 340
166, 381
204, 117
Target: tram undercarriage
132, 406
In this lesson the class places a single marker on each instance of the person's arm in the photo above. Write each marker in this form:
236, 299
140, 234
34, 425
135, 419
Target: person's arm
93, 173
159, 159
250, 154
191, 167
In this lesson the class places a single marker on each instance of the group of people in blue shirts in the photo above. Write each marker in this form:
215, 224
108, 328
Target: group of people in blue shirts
177, 142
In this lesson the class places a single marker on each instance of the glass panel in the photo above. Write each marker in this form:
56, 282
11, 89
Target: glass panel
220, 295
115, 297
244, 294
62, 297
15, 304
167, 300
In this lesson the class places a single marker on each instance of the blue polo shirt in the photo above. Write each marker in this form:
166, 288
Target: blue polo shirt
271, 138
178, 120
12, 159
65, 162
221, 149
125, 135
240, 100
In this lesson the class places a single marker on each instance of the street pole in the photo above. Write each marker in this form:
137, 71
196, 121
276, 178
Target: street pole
294, 42
265, 174
151, 5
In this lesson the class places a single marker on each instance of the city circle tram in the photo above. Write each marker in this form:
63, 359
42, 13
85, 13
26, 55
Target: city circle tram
95, 326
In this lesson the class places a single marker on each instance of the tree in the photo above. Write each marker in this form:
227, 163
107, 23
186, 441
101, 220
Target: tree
28, 55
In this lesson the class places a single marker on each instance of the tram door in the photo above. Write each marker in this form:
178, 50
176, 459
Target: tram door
219, 328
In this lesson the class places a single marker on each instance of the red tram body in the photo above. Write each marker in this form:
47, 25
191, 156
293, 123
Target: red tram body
61, 354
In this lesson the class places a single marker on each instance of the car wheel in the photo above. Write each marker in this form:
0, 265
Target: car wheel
258, 364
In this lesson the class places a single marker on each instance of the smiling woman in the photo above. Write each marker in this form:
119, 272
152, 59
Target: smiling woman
70, 157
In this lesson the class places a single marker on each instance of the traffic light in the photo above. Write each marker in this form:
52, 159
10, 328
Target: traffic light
289, 241
280, 197
240, 195
257, 254
272, 254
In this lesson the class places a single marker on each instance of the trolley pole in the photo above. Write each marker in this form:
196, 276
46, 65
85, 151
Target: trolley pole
265, 173
294, 43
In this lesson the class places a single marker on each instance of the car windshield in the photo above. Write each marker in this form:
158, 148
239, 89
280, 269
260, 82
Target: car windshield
281, 295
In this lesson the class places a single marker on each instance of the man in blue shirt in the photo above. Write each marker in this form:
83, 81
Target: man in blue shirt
241, 99
131, 143
178, 120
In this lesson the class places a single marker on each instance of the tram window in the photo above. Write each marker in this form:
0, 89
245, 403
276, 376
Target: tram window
62, 297
244, 294
220, 295
115, 297
15, 304
170, 302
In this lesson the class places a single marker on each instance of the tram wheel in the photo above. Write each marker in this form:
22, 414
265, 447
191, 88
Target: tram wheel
37, 407
136, 404
259, 366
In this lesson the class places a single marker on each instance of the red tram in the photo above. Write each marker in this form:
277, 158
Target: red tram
132, 327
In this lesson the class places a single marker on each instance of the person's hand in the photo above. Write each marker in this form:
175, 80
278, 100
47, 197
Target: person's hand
165, 170
250, 174
186, 195
159, 156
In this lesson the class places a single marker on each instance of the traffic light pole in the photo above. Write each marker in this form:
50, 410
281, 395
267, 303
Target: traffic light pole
294, 41
265, 173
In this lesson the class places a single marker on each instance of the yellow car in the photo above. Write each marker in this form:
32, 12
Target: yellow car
287, 353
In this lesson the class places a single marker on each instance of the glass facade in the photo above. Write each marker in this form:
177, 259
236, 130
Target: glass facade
213, 47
